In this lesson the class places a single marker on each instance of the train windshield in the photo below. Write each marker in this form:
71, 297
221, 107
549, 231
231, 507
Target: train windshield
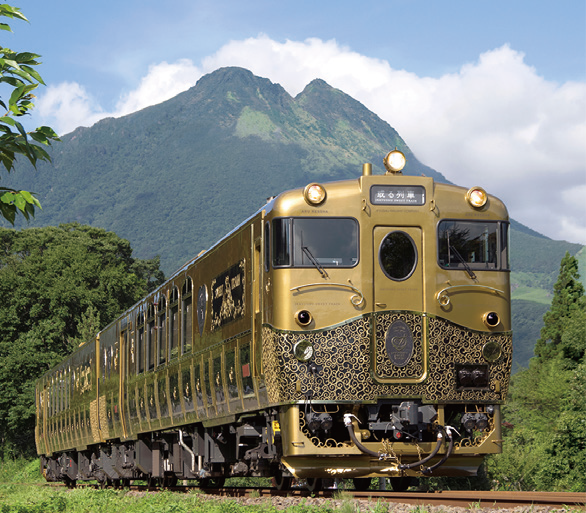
473, 245
303, 242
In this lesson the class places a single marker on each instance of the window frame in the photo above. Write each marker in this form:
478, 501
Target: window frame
502, 246
291, 243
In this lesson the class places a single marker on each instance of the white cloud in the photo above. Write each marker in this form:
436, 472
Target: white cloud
68, 105
163, 81
494, 123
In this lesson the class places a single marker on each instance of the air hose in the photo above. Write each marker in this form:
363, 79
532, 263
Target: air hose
448, 453
348, 424
440, 439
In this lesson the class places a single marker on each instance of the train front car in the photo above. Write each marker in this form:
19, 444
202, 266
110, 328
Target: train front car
387, 335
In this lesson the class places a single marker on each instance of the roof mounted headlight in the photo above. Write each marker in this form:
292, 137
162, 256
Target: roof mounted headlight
314, 194
395, 161
476, 197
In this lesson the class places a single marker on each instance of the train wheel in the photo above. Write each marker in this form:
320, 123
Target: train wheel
212, 482
314, 484
169, 482
361, 484
70, 483
281, 482
400, 484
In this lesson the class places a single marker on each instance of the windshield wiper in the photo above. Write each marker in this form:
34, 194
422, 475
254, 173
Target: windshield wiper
464, 263
312, 259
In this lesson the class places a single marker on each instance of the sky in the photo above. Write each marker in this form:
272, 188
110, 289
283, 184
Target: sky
489, 93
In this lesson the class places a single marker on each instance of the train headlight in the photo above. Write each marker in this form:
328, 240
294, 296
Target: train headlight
469, 421
491, 319
465, 377
477, 197
395, 161
481, 421
303, 350
303, 318
471, 376
314, 194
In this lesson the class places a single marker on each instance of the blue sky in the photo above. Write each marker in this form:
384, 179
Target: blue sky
489, 93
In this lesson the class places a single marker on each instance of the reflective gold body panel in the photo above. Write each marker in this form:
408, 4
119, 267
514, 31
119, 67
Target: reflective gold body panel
231, 328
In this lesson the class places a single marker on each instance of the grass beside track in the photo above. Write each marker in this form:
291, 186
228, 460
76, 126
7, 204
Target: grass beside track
24, 490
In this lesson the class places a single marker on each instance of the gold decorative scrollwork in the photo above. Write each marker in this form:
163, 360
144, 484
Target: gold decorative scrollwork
343, 354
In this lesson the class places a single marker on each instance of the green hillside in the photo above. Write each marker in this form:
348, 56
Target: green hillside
173, 178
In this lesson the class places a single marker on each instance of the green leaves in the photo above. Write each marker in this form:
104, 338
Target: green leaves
17, 70
12, 201
59, 286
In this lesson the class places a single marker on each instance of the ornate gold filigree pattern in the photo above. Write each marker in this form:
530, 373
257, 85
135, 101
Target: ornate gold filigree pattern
343, 359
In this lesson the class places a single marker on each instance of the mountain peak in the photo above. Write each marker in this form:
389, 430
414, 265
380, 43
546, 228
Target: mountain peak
234, 84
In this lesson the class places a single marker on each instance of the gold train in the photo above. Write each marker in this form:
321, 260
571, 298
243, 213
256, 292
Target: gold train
352, 329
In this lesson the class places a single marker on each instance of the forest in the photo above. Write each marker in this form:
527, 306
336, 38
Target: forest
59, 286
545, 417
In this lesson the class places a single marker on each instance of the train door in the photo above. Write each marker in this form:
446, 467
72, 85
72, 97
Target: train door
398, 268
399, 334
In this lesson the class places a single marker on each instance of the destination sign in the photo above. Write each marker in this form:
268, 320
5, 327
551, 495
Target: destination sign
397, 195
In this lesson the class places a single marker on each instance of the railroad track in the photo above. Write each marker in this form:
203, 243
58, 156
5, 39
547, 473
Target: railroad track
463, 499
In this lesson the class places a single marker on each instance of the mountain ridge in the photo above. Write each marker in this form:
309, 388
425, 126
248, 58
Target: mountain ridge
174, 177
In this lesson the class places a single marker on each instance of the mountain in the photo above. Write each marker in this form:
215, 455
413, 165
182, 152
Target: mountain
174, 177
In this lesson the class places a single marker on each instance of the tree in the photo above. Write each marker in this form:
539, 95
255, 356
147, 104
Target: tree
18, 75
545, 432
57, 284
568, 298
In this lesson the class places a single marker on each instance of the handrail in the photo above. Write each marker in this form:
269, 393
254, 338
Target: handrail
444, 300
356, 300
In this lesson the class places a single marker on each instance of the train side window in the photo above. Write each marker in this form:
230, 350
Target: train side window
151, 337
105, 364
173, 323
281, 242
267, 247
129, 343
246, 368
60, 403
505, 234
186, 316
51, 398
140, 342
207, 374
162, 330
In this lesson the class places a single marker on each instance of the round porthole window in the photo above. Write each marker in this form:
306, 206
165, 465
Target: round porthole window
397, 256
